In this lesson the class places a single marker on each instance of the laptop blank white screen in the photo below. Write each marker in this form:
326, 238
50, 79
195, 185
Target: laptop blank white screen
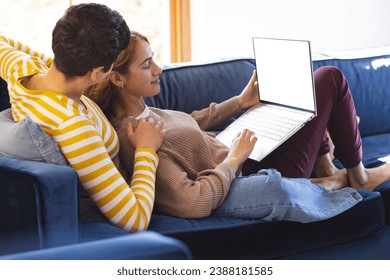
284, 72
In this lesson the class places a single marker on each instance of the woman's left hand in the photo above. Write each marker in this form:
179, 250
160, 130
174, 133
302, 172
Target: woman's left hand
249, 96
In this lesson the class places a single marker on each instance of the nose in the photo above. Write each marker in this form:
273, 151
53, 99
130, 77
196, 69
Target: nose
157, 69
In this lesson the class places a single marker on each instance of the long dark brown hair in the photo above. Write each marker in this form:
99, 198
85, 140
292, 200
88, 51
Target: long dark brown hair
106, 94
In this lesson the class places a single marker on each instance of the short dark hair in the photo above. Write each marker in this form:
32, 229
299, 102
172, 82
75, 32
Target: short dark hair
88, 36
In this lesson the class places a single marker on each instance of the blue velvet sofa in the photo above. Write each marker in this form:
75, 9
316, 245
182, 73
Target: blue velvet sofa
40, 202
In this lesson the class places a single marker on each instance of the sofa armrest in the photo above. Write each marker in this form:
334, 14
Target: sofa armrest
38, 205
137, 246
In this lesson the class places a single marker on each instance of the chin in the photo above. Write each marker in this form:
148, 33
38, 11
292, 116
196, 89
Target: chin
155, 90
152, 93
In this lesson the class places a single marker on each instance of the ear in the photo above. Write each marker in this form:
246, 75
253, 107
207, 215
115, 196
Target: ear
116, 79
96, 72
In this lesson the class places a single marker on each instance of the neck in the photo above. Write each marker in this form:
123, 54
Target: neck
56, 81
135, 105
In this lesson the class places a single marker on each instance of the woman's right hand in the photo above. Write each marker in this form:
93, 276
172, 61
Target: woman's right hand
241, 148
250, 94
146, 134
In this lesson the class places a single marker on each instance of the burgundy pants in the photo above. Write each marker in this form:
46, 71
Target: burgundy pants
336, 112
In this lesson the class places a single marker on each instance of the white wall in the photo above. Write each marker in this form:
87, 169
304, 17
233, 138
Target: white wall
32, 22
223, 28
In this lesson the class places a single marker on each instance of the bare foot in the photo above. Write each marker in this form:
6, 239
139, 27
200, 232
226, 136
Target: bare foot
368, 178
336, 181
324, 166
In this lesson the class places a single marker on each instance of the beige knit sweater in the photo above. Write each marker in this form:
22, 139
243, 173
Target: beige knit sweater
192, 179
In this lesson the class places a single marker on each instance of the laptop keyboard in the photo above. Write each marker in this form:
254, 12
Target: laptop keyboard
268, 124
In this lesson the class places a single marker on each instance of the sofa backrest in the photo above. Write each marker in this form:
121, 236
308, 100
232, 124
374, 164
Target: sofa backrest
187, 87
369, 80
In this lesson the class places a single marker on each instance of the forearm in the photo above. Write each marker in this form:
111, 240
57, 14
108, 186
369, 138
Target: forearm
127, 207
216, 114
180, 196
12, 52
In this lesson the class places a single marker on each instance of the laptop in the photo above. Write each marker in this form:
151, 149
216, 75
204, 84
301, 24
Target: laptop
287, 97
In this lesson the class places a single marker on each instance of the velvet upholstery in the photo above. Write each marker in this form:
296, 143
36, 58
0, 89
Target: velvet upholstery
39, 205
261, 239
373, 248
192, 87
140, 246
224, 238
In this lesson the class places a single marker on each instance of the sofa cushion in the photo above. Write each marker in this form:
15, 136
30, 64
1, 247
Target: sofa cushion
208, 238
384, 190
226, 238
26, 140
364, 249
375, 147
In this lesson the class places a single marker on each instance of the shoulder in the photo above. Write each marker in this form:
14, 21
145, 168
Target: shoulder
90, 103
165, 113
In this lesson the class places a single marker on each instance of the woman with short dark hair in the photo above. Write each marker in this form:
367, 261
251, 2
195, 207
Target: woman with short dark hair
86, 42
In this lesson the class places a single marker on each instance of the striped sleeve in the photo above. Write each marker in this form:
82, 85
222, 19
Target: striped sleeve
12, 52
128, 208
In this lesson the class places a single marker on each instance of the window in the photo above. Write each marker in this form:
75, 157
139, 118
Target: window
32, 22
180, 30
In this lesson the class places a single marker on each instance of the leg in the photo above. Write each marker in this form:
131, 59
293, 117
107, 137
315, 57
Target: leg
296, 157
269, 196
324, 166
348, 146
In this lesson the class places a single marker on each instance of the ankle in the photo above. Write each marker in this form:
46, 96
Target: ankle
368, 179
357, 176
324, 166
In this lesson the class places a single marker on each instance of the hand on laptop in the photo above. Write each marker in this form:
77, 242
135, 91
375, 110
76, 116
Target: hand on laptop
250, 94
241, 148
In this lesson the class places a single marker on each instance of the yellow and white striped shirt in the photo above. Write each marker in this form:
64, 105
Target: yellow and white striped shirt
85, 137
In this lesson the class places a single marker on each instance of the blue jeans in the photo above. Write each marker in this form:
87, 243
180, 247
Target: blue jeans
269, 196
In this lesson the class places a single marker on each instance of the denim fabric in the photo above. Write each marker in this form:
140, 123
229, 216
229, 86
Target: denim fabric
27, 140
269, 196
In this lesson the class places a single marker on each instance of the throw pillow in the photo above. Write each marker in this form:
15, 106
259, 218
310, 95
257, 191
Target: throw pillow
26, 140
